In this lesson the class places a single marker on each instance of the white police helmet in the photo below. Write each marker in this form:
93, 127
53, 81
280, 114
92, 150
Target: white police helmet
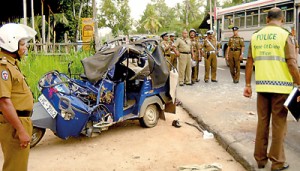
210, 32
12, 33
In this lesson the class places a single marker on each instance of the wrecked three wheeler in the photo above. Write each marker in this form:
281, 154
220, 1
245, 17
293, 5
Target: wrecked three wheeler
130, 81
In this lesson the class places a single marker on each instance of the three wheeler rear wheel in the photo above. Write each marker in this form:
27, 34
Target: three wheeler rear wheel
150, 117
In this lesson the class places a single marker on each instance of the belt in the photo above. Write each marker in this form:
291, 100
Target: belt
185, 52
167, 55
235, 49
22, 113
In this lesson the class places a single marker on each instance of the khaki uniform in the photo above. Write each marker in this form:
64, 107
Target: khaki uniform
210, 56
196, 51
14, 86
167, 52
173, 57
235, 45
184, 60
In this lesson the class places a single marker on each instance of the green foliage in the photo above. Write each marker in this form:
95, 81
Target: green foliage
123, 16
230, 3
35, 66
184, 15
71, 10
151, 23
115, 14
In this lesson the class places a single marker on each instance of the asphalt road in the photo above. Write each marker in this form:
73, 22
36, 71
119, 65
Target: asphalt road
222, 109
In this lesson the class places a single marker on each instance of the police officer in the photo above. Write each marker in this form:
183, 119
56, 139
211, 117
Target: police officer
173, 53
234, 54
210, 48
166, 47
276, 71
184, 50
204, 36
16, 100
196, 55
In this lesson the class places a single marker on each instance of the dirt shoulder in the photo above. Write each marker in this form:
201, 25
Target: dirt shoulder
127, 146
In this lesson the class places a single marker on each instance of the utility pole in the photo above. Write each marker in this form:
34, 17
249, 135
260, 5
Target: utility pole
96, 35
215, 14
186, 13
32, 24
210, 15
25, 12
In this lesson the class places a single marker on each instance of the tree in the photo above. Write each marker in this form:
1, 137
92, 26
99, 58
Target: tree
74, 10
151, 24
123, 16
166, 15
115, 14
58, 19
150, 20
184, 15
229, 3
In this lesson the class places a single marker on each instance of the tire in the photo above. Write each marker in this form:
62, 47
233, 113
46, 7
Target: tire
150, 117
37, 135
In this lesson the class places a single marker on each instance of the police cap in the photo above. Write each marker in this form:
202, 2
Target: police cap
235, 28
172, 35
193, 30
210, 32
164, 34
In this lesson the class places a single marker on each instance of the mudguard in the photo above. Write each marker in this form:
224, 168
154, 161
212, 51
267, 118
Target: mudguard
40, 118
153, 100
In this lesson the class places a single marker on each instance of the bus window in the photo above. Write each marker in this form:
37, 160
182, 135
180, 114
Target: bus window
252, 18
239, 20
228, 21
288, 11
263, 16
289, 16
249, 20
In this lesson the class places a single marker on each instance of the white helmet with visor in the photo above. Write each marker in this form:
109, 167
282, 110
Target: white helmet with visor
12, 33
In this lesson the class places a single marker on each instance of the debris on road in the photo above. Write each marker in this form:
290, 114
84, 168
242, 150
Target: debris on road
204, 167
251, 113
206, 134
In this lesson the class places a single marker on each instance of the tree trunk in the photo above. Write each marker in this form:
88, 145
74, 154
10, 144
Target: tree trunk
79, 20
96, 35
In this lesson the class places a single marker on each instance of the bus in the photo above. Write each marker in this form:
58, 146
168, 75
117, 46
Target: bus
250, 17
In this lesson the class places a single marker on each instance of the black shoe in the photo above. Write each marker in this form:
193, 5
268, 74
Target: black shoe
235, 81
176, 124
206, 81
214, 81
181, 84
285, 166
197, 80
262, 164
189, 84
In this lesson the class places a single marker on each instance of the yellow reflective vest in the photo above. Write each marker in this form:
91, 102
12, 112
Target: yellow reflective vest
271, 70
